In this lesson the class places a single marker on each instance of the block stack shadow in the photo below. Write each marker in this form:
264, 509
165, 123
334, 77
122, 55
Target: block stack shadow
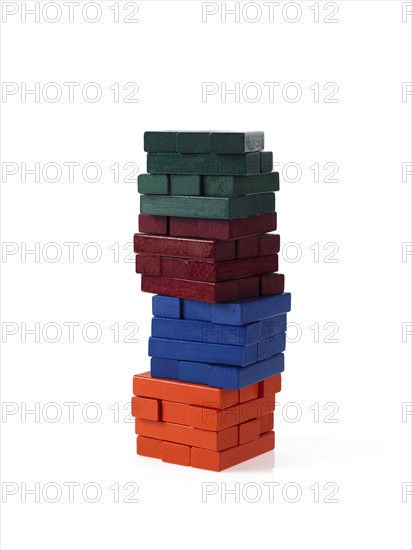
207, 250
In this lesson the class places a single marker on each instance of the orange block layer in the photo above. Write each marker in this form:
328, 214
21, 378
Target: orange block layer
183, 392
186, 435
248, 393
217, 461
149, 447
249, 431
266, 423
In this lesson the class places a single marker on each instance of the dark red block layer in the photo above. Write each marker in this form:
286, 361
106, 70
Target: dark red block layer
184, 248
157, 225
274, 283
222, 229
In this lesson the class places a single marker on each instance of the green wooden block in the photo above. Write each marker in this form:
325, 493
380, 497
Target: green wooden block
266, 161
176, 163
160, 142
224, 208
193, 142
153, 184
185, 184
236, 142
232, 186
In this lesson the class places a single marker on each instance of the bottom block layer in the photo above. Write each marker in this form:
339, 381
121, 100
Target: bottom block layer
217, 376
204, 458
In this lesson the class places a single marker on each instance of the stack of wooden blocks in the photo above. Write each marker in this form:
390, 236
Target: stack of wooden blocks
206, 248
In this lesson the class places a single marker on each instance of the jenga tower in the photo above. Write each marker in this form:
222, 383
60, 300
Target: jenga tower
206, 249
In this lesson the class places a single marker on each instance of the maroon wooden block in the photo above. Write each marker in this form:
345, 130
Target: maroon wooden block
184, 248
247, 247
222, 229
273, 283
269, 244
225, 291
202, 270
157, 225
151, 265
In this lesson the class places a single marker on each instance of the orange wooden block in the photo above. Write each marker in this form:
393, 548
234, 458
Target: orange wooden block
270, 385
266, 423
186, 435
143, 407
149, 447
175, 412
175, 453
210, 419
217, 461
249, 431
183, 392
250, 392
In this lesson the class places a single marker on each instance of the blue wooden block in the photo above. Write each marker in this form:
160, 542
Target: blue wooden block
238, 356
271, 346
272, 325
197, 373
219, 376
164, 368
166, 306
240, 312
236, 378
205, 331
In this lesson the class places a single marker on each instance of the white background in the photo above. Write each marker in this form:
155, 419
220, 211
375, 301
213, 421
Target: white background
361, 380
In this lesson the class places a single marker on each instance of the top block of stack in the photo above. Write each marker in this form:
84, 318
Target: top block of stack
213, 153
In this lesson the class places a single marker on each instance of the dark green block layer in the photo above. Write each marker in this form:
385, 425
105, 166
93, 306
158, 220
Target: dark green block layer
185, 184
266, 161
225, 208
231, 165
193, 142
232, 186
153, 184
160, 142
236, 142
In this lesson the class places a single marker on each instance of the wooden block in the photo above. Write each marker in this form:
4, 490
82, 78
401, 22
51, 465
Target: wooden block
174, 453
165, 306
204, 331
218, 461
215, 375
185, 350
212, 419
193, 142
186, 435
202, 270
145, 263
193, 394
178, 413
184, 248
249, 431
224, 291
266, 423
157, 225
160, 142
149, 447
153, 184
233, 186
238, 313
273, 283
236, 142
249, 392
226, 208
269, 244
270, 386
177, 163
185, 185
144, 407
271, 346
266, 161
221, 229
248, 247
